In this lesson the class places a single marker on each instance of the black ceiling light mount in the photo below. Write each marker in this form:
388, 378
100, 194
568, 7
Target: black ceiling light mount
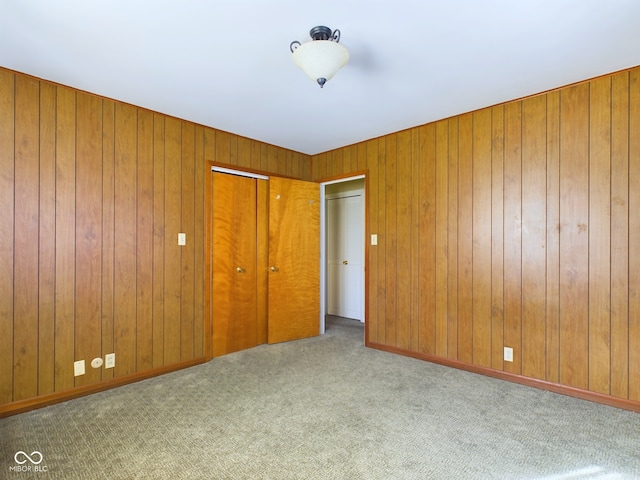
322, 57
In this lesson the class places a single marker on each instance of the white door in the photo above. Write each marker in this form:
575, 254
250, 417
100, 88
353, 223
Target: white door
345, 256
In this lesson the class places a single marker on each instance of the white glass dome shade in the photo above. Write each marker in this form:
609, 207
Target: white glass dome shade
321, 58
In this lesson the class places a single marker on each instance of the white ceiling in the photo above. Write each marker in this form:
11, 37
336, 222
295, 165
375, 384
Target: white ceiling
226, 64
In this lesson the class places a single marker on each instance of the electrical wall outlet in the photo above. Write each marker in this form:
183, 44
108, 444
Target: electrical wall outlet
182, 239
110, 360
508, 354
78, 368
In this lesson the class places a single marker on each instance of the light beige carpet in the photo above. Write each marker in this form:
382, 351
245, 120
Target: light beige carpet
323, 408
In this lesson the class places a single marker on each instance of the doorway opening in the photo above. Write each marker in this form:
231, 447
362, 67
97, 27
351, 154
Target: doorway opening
343, 249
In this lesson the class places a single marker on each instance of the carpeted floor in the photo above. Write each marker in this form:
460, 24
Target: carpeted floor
323, 408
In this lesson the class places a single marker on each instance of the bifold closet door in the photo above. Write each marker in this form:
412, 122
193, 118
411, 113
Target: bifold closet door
294, 260
235, 262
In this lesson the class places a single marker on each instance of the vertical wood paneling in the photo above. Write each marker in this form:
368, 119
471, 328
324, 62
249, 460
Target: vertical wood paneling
199, 246
416, 174
233, 149
210, 145
264, 158
532, 228
172, 252
391, 244
534, 189
255, 155
355, 159
26, 219
108, 233
600, 236
553, 238
7, 205
187, 281
125, 180
65, 235
513, 233
95, 193
426, 254
381, 292
305, 172
315, 167
223, 148
288, 160
334, 162
481, 248
372, 196
283, 162
404, 179
88, 238
159, 233
346, 160
574, 236
272, 158
620, 235
497, 237
634, 235
452, 240
47, 241
144, 242
244, 152
363, 160
440, 276
465, 239
298, 165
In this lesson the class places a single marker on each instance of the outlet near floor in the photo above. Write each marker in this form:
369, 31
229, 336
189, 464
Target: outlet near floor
110, 360
508, 354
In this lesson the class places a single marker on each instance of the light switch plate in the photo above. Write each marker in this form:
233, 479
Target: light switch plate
374, 239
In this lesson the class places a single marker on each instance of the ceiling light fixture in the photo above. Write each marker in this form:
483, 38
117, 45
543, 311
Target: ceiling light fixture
321, 58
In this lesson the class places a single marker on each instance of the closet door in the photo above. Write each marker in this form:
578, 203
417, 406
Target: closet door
235, 276
294, 260
345, 257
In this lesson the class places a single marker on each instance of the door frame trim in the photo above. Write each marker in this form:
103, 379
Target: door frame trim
241, 173
323, 246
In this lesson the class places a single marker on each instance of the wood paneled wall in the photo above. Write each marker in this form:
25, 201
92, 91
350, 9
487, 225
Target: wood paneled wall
93, 193
516, 225
509, 226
